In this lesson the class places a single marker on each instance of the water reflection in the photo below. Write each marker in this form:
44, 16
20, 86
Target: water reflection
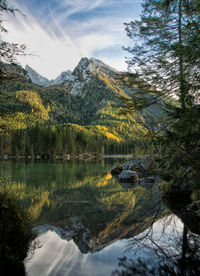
90, 224
166, 248
84, 201
61, 257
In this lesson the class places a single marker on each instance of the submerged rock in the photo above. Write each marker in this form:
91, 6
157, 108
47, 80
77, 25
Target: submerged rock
150, 179
147, 182
128, 175
116, 170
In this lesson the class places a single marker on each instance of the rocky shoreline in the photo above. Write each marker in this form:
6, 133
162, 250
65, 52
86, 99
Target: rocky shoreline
142, 171
60, 157
136, 171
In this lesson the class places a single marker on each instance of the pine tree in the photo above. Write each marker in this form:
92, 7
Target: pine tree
162, 58
166, 71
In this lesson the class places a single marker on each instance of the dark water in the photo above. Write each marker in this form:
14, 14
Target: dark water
90, 224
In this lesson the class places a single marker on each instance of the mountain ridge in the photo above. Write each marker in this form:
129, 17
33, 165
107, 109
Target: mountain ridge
85, 66
38, 79
84, 97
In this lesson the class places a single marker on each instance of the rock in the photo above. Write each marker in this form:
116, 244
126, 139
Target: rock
150, 179
147, 182
128, 175
116, 170
68, 156
142, 165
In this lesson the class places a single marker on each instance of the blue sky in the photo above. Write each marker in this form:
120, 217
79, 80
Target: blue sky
59, 32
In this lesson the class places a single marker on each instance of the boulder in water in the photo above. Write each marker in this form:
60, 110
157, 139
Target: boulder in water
129, 176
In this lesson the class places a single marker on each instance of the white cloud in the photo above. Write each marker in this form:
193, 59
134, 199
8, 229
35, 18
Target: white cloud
76, 6
48, 54
56, 48
88, 43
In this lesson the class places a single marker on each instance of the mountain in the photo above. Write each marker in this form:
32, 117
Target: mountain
83, 72
83, 97
62, 78
42, 81
35, 77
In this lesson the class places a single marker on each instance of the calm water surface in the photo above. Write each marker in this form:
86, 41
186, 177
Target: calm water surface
90, 224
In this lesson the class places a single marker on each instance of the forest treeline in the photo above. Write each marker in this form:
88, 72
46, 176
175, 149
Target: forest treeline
28, 127
47, 142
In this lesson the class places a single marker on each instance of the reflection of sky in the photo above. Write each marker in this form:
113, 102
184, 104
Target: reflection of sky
63, 258
60, 257
59, 33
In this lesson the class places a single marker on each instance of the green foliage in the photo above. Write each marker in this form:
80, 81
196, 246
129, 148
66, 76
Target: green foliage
33, 99
181, 147
34, 113
166, 62
163, 53
50, 141
108, 132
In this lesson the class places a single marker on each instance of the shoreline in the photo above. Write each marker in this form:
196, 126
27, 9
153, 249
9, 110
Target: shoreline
118, 156
65, 157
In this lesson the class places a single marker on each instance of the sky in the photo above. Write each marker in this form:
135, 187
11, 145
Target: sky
58, 33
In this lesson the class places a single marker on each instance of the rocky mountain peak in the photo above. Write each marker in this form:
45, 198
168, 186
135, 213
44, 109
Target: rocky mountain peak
87, 68
82, 70
35, 77
42, 81
63, 77
81, 75
92, 66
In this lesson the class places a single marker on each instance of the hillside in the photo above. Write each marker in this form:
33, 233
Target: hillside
84, 97
80, 98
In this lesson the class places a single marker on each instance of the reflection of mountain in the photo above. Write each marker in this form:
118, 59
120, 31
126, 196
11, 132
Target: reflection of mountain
162, 250
122, 215
63, 258
82, 202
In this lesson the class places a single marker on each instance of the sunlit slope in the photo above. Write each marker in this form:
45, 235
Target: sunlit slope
87, 98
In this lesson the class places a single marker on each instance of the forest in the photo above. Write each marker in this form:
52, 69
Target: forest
58, 142
151, 110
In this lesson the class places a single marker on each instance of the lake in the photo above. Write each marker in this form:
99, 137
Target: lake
90, 224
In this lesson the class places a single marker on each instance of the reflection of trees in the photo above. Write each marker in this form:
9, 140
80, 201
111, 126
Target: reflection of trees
169, 248
16, 235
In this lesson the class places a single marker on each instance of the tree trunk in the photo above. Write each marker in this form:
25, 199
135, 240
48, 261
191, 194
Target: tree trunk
181, 73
